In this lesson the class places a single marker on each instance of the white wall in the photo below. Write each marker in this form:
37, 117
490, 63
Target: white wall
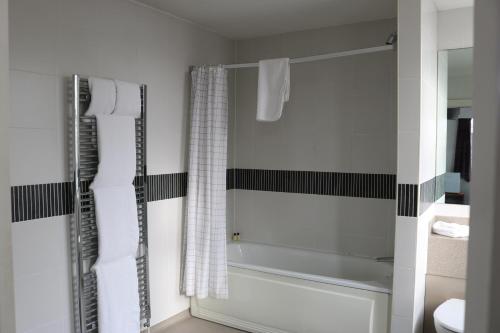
460, 87
456, 28
50, 40
417, 114
7, 325
442, 117
483, 294
341, 117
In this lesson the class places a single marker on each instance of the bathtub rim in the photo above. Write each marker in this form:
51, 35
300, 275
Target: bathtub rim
356, 284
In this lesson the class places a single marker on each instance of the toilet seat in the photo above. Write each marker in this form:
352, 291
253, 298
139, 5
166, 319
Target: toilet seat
451, 315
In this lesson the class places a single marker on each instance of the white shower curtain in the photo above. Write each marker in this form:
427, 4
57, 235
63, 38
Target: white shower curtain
205, 264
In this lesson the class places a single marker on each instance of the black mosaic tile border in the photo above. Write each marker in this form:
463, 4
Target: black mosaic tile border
167, 186
427, 194
360, 185
407, 199
29, 202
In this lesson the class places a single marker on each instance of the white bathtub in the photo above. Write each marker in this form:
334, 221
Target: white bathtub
276, 290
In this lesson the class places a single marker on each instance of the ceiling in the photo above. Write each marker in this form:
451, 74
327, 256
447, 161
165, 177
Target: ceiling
239, 19
453, 4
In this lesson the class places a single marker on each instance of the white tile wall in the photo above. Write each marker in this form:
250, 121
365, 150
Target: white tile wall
401, 324
36, 156
406, 242
49, 41
456, 28
6, 269
42, 275
442, 112
403, 289
408, 157
165, 241
341, 117
417, 112
428, 112
323, 223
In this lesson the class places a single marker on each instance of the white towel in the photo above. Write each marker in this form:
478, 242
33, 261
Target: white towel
128, 99
118, 296
102, 96
274, 88
117, 160
450, 229
117, 224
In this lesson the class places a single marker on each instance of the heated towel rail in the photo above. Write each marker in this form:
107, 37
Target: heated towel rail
83, 166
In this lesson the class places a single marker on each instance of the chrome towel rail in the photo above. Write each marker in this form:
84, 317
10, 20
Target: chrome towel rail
84, 246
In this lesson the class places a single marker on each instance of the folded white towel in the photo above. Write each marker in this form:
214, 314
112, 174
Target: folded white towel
450, 229
128, 99
117, 159
274, 88
102, 96
118, 296
117, 224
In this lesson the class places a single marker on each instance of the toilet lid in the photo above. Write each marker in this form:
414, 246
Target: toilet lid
451, 315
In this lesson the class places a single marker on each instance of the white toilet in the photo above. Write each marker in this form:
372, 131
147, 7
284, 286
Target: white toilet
449, 317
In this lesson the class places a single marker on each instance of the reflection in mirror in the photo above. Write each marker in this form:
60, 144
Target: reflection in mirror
454, 126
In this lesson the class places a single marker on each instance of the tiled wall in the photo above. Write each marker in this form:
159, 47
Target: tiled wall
49, 41
417, 112
6, 275
38, 201
339, 127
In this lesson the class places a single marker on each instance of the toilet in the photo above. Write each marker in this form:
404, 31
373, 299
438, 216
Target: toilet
449, 316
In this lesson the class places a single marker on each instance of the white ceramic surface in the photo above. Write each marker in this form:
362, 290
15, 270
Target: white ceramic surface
276, 290
354, 272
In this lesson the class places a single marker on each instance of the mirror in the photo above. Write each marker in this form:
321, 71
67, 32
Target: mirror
455, 126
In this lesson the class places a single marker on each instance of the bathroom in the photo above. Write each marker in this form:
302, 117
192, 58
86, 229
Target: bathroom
330, 207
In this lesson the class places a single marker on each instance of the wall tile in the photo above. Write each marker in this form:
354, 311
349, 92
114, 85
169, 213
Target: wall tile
42, 274
403, 291
102, 38
33, 35
408, 200
409, 39
33, 100
373, 153
408, 157
165, 235
400, 324
34, 156
258, 219
409, 104
406, 242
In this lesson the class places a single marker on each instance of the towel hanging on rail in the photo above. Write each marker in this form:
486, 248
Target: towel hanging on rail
274, 88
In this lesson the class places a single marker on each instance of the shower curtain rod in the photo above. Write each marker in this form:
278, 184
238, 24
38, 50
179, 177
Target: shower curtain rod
321, 56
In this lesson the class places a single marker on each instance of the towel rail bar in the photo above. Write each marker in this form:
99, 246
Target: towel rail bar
83, 237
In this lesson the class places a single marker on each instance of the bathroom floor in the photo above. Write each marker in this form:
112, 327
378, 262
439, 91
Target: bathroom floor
195, 325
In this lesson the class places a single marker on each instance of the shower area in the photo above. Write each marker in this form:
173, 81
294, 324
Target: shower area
311, 197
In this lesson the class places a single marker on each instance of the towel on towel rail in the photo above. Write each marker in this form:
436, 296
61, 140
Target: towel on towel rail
102, 96
118, 296
273, 88
128, 99
117, 223
117, 159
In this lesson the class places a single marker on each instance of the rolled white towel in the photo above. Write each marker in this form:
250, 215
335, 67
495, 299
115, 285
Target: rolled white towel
102, 96
453, 230
128, 99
